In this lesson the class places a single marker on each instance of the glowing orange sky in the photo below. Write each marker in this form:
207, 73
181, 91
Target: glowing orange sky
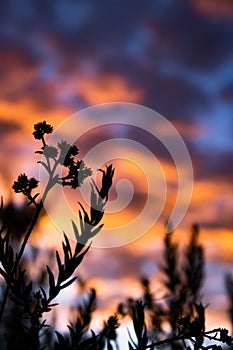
179, 65
19, 146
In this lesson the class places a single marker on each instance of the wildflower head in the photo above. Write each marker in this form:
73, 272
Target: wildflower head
50, 152
42, 128
24, 185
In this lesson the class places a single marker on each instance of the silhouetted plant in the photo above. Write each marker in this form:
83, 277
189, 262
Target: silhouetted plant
177, 320
34, 303
229, 289
194, 266
183, 278
77, 337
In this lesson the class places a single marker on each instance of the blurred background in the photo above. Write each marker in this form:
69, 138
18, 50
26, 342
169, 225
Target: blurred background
174, 56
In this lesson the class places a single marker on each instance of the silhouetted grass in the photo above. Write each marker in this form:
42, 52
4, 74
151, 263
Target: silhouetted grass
177, 321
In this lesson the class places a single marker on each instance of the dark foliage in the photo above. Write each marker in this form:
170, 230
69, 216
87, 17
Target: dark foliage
176, 321
23, 297
229, 289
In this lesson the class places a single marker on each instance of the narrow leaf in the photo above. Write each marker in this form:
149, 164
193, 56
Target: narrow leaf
68, 283
75, 229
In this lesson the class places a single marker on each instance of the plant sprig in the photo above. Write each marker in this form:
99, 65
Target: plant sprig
64, 155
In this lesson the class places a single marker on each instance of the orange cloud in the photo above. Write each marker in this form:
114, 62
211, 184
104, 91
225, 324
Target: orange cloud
108, 88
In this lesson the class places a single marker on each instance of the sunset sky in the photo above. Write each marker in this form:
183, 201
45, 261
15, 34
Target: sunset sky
173, 56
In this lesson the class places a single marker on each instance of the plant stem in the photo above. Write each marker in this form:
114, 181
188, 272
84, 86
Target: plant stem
19, 256
39, 207
26, 238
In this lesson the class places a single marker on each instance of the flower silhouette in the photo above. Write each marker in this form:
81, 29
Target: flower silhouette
41, 129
